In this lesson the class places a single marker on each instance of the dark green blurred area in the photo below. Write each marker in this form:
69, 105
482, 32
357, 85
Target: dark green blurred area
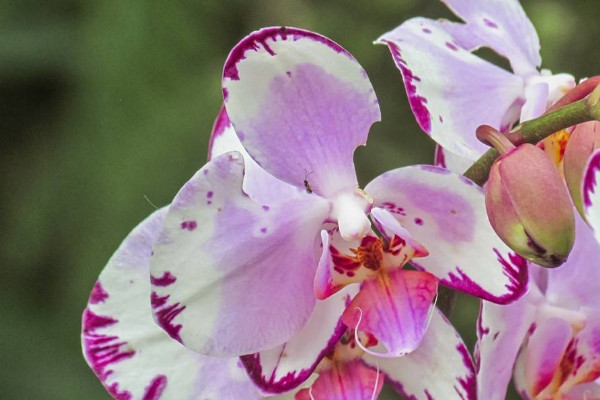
106, 104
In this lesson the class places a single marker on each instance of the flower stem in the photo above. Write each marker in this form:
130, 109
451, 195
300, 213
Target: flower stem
587, 109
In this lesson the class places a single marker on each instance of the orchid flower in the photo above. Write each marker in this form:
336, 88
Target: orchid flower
452, 91
249, 258
551, 335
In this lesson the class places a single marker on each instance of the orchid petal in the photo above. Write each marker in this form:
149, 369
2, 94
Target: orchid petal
395, 308
449, 160
501, 25
450, 89
500, 333
544, 352
289, 365
130, 354
300, 104
261, 186
577, 282
422, 375
233, 263
345, 381
446, 213
591, 193
536, 101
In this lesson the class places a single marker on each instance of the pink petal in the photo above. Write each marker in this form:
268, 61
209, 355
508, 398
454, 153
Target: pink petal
501, 25
446, 213
449, 89
130, 354
577, 282
500, 333
447, 159
300, 104
286, 367
544, 352
242, 273
345, 381
395, 308
440, 369
261, 186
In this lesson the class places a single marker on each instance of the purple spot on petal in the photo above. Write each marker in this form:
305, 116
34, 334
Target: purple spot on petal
98, 295
289, 73
189, 225
263, 230
225, 94
451, 46
209, 194
426, 30
418, 221
165, 280
417, 102
490, 24
205, 172
209, 202
441, 119
266, 208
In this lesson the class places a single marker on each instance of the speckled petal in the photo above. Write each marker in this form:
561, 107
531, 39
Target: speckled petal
351, 380
449, 160
286, 367
395, 308
240, 274
130, 354
591, 193
449, 89
440, 369
261, 186
500, 333
577, 282
300, 104
446, 213
501, 25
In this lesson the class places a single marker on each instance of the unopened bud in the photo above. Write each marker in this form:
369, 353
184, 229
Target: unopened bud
582, 143
528, 204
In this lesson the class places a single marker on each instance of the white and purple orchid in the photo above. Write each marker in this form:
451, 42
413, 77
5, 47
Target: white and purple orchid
452, 91
268, 251
551, 336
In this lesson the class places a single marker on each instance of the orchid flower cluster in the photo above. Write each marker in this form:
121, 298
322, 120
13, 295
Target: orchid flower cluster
273, 274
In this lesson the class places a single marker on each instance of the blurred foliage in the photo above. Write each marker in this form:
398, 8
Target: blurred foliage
105, 103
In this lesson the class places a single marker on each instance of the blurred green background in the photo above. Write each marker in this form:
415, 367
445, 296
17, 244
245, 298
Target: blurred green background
107, 102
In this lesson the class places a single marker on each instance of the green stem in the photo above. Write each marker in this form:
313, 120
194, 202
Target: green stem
533, 131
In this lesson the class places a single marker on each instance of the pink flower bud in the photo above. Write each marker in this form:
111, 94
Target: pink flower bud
528, 205
583, 141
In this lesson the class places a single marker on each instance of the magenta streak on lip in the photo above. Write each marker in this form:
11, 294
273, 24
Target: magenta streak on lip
221, 124
165, 314
468, 383
293, 378
102, 350
451, 46
490, 24
589, 182
156, 388
417, 103
259, 39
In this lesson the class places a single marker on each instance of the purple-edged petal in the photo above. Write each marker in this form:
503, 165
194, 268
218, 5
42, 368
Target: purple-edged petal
351, 380
232, 276
501, 25
395, 308
130, 354
440, 369
261, 186
447, 159
446, 213
300, 104
286, 367
450, 90
577, 282
591, 193
500, 332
